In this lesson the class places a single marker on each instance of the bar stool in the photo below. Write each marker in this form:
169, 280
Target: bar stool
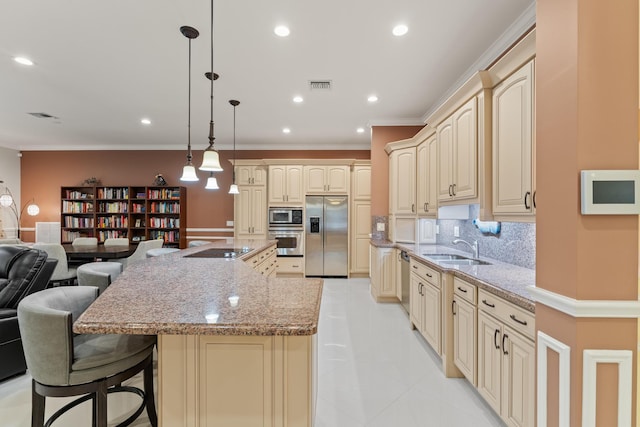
66, 364
160, 251
99, 274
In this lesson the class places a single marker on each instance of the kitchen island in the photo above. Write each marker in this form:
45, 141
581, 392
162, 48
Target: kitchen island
235, 348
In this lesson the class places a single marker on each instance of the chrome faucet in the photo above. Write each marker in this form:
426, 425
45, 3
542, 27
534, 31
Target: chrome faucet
474, 246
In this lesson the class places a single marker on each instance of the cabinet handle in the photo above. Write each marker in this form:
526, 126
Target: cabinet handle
495, 342
413, 207
426, 207
484, 301
515, 319
462, 289
453, 187
428, 275
504, 348
453, 307
534, 199
421, 289
526, 195
450, 191
415, 267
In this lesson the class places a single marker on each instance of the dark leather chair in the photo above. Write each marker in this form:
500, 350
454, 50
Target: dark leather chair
23, 271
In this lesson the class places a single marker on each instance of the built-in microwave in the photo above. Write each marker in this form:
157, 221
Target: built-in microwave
285, 216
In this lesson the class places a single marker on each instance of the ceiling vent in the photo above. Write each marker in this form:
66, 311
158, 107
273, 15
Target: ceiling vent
42, 115
320, 84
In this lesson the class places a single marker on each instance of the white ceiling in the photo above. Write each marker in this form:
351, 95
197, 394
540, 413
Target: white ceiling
103, 65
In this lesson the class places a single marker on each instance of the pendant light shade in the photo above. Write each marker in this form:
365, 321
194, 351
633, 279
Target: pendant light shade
234, 189
189, 171
211, 159
212, 183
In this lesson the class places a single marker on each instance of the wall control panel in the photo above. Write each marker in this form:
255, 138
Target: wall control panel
610, 192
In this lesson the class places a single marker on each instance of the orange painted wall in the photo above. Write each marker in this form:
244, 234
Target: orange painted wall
381, 136
44, 172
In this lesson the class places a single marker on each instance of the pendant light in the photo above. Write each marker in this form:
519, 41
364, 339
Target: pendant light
189, 171
234, 188
211, 159
212, 182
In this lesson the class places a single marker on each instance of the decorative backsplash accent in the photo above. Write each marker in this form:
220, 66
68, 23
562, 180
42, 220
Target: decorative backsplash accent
379, 235
516, 243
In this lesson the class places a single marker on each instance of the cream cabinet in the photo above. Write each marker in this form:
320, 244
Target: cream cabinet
360, 230
383, 274
457, 154
506, 359
285, 185
290, 266
464, 328
326, 179
425, 298
513, 144
251, 175
427, 178
402, 181
250, 212
361, 182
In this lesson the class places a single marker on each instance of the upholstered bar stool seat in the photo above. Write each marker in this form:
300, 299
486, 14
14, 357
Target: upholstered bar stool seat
160, 251
193, 243
65, 364
99, 274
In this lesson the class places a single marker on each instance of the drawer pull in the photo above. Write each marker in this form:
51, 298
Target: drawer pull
515, 319
453, 307
415, 266
462, 289
428, 275
495, 340
504, 348
484, 301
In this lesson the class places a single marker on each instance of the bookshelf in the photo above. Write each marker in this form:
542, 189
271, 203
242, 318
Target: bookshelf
137, 213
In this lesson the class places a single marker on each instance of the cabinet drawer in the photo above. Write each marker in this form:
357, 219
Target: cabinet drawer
517, 318
464, 290
426, 273
290, 265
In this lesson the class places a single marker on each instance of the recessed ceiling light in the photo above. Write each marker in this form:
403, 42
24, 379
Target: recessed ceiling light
145, 121
372, 98
286, 130
297, 99
22, 60
400, 30
282, 31
360, 130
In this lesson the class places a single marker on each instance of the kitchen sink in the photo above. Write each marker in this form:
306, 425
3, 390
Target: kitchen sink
463, 261
444, 257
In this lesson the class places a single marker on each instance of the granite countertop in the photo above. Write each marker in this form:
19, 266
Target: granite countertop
504, 280
171, 294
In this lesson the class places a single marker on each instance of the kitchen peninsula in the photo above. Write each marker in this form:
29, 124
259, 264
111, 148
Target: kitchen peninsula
235, 347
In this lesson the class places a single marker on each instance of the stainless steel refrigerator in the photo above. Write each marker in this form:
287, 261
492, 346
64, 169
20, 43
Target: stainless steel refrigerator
326, 236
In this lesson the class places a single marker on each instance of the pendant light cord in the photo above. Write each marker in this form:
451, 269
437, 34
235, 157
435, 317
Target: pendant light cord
211, 137
234, 144
189, 157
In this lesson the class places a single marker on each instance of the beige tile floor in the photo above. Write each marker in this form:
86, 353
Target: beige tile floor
373, 371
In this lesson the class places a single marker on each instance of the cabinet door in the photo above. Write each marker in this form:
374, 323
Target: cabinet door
314, 179
405, 181
445, 160
259, 211
431, 330
243, 216
244, 175
518, 379
361, 183
432, 178
337, 179
259, 175
489, 360
393, 183
361, 227
422, 171
416, 302
465, 151
512, 143
294, 194
388, 276
464, 338
374, 269
277, 184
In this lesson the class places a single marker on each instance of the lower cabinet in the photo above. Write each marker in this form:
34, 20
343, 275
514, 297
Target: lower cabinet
425, 303
383, 274
506, 360
464, 337
265, 261
290, 266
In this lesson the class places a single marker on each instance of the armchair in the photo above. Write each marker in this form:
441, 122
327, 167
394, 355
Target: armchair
23, 271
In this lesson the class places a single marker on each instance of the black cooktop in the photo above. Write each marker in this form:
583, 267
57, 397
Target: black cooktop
219, 253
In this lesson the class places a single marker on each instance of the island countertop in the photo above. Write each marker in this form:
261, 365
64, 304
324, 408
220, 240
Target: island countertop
177, 295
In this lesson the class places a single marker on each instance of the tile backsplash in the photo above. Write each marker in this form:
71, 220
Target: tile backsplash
516, 243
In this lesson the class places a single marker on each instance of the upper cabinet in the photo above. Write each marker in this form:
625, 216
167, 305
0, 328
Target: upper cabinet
427, 178
513, 145
251, 175
361, 182
319, 179
285, 185
402, 181
457, 154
